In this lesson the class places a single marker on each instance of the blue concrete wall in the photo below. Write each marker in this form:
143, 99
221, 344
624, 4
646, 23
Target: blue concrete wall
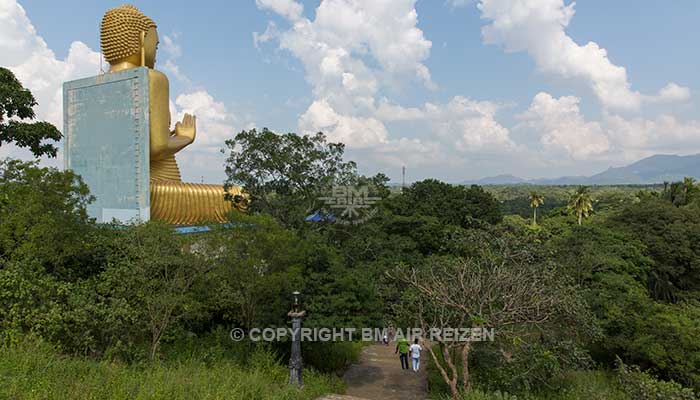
106, 128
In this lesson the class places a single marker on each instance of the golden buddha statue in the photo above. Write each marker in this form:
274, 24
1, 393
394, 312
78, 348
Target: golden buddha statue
129, 39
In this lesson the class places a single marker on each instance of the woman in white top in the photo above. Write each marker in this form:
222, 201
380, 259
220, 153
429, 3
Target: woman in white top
415, 350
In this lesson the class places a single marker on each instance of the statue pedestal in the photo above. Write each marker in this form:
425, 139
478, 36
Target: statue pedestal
106, 129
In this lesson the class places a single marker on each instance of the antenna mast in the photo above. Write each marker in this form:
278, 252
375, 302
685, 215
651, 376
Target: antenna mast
403, 182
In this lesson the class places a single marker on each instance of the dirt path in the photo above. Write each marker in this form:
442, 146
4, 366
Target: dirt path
378, 376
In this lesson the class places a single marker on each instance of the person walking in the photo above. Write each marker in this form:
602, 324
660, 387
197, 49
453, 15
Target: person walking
415, 350
402, 349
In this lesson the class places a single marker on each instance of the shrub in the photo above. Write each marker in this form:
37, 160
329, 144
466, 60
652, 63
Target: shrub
479, 395
643, 386
331, 356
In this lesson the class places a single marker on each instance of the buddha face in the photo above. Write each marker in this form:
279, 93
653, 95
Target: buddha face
150, 47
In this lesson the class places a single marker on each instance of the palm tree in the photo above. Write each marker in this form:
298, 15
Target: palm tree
689, 189
680, 193
581, 203
536, 200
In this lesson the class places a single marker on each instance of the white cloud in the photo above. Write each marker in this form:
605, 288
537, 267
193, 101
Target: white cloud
458, 3
170, 46
539, 27
471, 124
566, 135
173, 50
663, 134
414, 152
562, 127
388, 111
352, 52
26, 54
270, 33
288, 9
386, 29
360, 132
463, 124
174, 71
672, 93
333, 46
333, 49
214, 123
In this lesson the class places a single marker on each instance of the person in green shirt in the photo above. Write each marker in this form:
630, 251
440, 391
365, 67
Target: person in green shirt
402, 347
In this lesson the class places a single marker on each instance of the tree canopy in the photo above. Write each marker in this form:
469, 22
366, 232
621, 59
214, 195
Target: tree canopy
16, 108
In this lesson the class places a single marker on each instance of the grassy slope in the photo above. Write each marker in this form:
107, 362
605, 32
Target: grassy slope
35, 371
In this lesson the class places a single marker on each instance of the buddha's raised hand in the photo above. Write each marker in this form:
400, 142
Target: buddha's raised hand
182, 136
187, 128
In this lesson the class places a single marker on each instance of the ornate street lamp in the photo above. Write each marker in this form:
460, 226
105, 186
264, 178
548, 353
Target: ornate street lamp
296, 300
295, 360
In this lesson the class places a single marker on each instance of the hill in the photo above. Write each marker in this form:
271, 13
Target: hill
655, 169
497, 180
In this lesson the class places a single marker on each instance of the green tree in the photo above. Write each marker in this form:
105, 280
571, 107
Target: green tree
49, 252
681, 193
641, 385
506, 290
450, 204
670, 235
259, 265
689, 186
580, 203
152, 279
624, 266
44, 218
286, 174
536, 200
16, 106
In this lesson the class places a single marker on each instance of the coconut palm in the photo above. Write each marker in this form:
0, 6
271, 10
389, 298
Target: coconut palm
680, 193
536, 200
581, 203
689, 189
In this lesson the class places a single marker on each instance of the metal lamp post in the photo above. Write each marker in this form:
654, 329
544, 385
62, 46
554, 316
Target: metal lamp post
295, 360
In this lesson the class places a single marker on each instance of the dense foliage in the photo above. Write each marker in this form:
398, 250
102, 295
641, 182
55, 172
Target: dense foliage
16, 108
623, 282
286, 174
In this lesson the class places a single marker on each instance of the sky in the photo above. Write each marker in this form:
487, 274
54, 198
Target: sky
451, 89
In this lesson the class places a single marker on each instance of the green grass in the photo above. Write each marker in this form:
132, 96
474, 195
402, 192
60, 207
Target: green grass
33, 370
332, 356
325, 357
591, 385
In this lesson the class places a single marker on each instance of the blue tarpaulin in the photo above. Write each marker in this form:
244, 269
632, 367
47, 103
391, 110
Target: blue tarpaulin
318, 216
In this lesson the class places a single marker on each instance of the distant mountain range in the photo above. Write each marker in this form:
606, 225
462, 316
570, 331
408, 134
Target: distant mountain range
655, 169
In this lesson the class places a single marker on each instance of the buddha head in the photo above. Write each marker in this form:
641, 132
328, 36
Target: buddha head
128, 36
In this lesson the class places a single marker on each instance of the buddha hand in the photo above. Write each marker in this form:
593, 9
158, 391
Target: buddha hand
187, 128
